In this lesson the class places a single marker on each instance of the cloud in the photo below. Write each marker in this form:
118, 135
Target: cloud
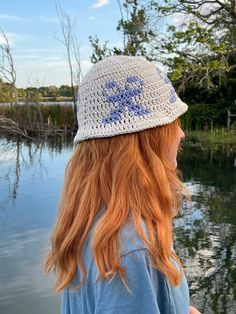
178, 18
14, 38
49, 19
52, 63
100, 3
93, 17
48, 68
40, 50
29, 57
7, 154
10, 17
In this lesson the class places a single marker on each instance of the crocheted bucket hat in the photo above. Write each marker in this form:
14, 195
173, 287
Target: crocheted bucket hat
125, 94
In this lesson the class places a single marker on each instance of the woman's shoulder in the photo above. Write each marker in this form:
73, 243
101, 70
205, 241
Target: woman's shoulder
129, 239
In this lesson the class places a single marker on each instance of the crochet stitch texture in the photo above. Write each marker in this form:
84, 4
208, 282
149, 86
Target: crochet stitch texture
125, 94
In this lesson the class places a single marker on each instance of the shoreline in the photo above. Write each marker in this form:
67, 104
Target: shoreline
217, 136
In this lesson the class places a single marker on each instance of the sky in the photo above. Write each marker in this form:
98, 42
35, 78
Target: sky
33, 29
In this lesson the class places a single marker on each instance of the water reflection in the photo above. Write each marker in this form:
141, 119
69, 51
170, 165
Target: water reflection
17, 154
31, 177
206, 232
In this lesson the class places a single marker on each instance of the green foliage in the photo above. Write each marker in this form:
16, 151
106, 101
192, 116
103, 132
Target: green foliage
135, 31
198, 56
33, 94
60, 116
99, 51
65, 91
217, 136
136, 34
199, 52
198, 49
6, 94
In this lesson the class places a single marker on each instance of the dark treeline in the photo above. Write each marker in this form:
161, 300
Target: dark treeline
50, 93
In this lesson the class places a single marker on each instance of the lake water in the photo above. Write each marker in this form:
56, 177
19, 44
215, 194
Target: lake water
31, 178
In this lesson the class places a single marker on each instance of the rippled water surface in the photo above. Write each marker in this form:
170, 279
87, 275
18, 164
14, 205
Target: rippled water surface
31, 177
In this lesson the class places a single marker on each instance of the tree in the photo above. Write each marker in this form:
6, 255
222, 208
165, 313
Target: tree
200, 47
5, 92
70, 41
134, 26
7, 68
64, 91
200, 53
99, 51
198, 50
216, 14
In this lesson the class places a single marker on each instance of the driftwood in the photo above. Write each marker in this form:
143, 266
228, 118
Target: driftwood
9, 126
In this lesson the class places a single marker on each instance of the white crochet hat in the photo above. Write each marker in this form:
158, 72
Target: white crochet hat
125, 94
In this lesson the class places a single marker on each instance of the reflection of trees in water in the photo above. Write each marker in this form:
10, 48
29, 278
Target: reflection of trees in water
25, 154
208, 251
205, 234
10, 153
210, 166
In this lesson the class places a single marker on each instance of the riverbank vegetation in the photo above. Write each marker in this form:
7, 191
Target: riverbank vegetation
34, 120
34, 94
217, 136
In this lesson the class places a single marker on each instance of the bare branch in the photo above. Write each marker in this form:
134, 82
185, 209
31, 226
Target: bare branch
122, 18
70, 42
10, 126
7, 69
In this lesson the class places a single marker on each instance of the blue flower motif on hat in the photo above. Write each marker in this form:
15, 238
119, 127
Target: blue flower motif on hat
122, 95
172, 95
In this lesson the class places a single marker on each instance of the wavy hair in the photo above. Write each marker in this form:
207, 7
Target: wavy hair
128, 173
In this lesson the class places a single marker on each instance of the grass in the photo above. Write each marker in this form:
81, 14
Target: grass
217, 136
30, 116
61, 116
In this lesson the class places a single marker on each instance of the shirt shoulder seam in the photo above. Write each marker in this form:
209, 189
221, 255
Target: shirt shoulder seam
134, 250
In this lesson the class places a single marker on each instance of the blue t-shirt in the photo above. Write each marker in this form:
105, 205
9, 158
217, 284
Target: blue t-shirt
152, 293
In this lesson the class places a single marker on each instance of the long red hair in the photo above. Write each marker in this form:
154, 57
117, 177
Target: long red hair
128, 173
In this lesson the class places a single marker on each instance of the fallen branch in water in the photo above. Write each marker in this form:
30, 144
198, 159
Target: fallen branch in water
10, 126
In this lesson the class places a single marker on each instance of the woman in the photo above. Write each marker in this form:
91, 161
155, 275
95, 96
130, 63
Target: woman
112, 244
